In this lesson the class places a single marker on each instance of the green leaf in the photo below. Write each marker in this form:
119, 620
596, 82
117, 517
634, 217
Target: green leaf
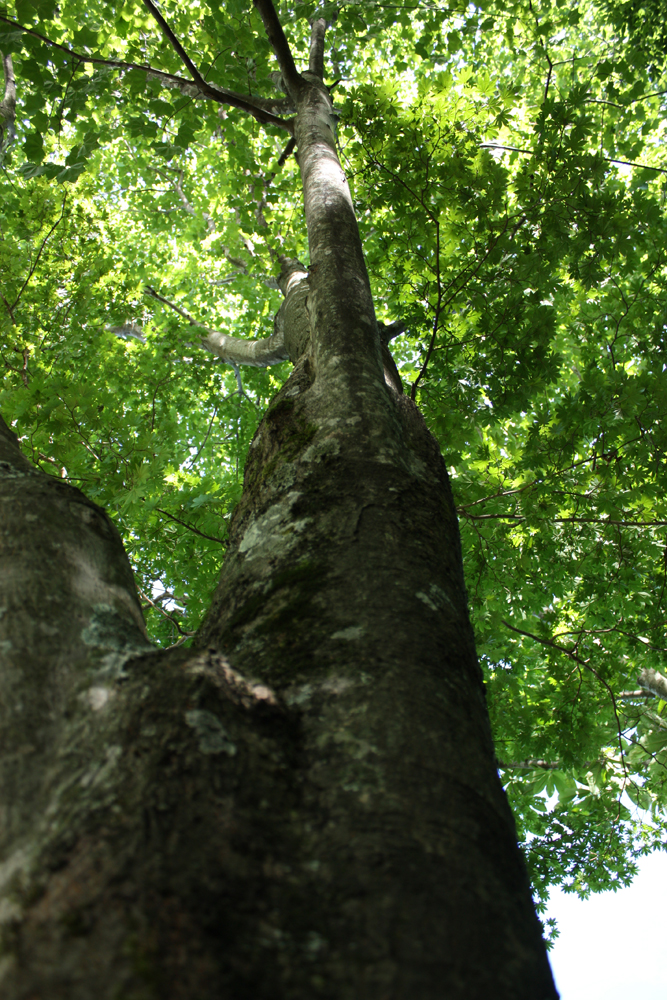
34, 146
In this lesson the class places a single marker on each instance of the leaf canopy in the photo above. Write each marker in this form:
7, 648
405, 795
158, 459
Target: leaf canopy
506, 166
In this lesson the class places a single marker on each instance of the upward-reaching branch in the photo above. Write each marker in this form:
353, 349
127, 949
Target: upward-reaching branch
274, 31
203, 85
175, 43
318, 30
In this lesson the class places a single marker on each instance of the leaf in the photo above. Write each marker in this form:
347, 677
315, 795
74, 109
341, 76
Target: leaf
34, 146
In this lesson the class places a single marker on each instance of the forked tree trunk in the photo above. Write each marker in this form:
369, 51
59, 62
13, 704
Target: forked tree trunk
306, 804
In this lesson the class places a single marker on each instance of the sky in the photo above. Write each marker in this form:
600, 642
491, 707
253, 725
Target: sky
613, 946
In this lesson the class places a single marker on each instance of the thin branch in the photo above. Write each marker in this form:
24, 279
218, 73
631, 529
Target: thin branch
177, 186
641, 166
549, 475
172, 305
532, 765
172, 517
457, 290
646, 97
274, 32
39, 254
596, 100
239, 383
561, 520
153, 604
208, 431
551, 67
436, 317
188, 87
9, 309
607, 159
584, 663
318, 30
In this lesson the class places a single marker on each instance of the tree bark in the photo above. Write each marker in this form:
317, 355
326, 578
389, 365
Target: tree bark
306, 804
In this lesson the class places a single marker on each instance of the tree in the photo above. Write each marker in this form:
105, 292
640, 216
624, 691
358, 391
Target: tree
297, 804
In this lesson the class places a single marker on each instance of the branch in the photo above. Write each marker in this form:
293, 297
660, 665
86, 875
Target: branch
177, 186
388, 331
238, 351
274, 32
561, 520
172, 517
39, 254
172, 305
531, 765
153, 604
234, 350
318, 30
653, 682
8, 104
584, 663
607, 159
287, 152
188, 87
9, 309
176, 45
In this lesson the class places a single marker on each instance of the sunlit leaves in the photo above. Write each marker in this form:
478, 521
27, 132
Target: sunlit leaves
530, 273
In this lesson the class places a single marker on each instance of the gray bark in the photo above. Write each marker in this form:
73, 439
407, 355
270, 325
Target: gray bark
8, 103
654, 682
306, 804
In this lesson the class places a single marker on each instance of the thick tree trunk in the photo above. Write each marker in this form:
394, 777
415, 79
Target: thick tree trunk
306, 804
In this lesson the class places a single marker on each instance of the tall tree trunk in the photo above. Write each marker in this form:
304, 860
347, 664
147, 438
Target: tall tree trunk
306, 804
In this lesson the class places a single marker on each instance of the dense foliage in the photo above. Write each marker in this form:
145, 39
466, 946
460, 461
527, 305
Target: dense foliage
505, 164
